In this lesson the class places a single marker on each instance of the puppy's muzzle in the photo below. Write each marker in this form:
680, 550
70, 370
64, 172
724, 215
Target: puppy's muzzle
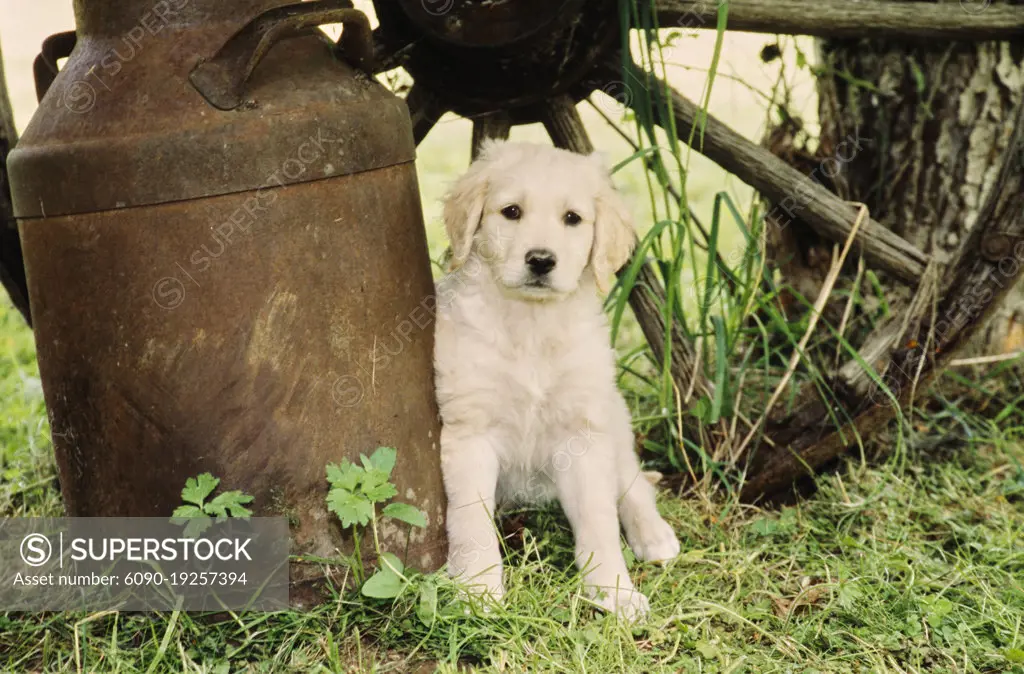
540, 261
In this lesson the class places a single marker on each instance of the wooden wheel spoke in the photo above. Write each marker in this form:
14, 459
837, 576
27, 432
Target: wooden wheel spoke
795, 195
562, 121
845, 19
493, 125
425, 109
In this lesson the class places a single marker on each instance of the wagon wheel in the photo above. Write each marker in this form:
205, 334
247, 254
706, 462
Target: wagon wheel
507, 63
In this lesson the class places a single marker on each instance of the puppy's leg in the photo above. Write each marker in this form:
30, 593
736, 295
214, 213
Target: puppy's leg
586, 489
648, 534
470, 468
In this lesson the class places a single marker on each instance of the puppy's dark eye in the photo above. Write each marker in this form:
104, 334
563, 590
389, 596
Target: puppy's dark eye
571, 218
512, 212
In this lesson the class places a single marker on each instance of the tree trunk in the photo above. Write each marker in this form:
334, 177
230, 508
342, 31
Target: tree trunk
932, 122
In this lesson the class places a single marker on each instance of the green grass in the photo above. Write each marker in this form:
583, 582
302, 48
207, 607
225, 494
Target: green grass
27, 473
914, 565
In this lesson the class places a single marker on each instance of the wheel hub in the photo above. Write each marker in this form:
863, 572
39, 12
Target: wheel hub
482, 56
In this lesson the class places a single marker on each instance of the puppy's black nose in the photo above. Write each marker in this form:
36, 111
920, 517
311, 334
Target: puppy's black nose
540, 261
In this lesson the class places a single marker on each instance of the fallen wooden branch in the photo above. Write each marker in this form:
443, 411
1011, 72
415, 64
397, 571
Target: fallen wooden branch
969, 20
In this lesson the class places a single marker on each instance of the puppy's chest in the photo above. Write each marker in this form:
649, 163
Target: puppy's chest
526, 379
537, 397
532, 415
527, 389
530, 379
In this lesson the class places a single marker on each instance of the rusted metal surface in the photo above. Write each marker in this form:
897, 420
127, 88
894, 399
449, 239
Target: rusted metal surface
221, 80
125, 109
44, 68
190, 337
246, 292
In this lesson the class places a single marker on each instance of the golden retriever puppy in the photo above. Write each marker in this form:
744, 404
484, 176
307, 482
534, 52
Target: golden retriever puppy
526, 372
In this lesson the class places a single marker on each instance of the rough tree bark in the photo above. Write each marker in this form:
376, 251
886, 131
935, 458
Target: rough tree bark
933, 120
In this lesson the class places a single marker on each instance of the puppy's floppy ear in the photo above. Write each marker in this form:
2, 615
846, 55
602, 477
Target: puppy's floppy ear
614, 235
463, 208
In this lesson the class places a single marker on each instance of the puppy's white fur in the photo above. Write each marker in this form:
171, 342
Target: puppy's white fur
526, 374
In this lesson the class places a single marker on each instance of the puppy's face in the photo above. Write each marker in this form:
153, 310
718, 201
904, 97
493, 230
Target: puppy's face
540, 218
538, 224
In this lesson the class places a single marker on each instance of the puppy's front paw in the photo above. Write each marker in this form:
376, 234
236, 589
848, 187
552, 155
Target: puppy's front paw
486, 585
480, 595
654, 541
626, 603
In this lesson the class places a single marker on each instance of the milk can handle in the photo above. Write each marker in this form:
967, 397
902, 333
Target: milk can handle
221, 79
44, 68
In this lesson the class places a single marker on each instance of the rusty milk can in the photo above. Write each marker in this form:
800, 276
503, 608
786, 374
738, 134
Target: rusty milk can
227, 264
